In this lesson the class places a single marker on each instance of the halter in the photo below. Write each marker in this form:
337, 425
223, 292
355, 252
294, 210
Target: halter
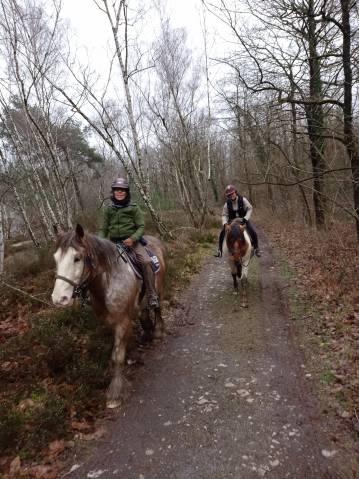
80, 288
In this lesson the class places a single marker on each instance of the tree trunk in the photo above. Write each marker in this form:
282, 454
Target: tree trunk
350, 139
315, 119
2, 240
306, 208
25, 218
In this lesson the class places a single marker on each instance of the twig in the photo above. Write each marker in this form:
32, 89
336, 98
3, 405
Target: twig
24, 293
356, 415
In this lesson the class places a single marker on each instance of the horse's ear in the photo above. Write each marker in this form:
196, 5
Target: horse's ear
80, 233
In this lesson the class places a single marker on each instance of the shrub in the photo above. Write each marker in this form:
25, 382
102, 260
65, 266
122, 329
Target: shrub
11, 422
48, 419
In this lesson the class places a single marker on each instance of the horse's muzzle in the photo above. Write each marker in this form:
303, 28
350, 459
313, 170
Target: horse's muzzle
62, 301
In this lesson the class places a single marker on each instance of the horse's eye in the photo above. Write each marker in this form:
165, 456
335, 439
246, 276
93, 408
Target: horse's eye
77, 259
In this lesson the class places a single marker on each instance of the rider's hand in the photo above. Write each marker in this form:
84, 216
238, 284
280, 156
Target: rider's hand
129, 242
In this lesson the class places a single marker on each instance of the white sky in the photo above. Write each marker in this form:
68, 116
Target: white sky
91, 29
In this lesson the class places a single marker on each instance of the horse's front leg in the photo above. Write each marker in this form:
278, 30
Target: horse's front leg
235, 282
159, 324
118, 389
147, 326
244, 287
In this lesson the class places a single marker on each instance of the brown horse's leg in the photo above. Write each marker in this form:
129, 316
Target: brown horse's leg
159, 325
235, 282
117, 391
244, 284
147, 326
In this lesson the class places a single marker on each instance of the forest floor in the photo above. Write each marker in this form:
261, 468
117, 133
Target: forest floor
271, 390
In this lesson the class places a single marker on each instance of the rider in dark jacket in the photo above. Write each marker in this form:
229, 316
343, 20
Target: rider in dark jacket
123, 221
237, 206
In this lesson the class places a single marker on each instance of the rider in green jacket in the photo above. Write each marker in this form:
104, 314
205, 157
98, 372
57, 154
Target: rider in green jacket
123, 221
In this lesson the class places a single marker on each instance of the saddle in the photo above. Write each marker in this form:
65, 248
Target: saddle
128, 255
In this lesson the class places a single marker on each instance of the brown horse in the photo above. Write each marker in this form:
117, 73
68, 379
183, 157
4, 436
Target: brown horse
239, 251
85, 261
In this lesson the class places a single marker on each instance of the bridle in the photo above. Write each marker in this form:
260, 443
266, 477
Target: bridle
80, 289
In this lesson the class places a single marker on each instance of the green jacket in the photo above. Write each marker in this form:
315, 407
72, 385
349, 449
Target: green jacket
127, 222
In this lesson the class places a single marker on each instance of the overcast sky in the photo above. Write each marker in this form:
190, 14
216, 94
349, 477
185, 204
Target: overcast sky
91, 28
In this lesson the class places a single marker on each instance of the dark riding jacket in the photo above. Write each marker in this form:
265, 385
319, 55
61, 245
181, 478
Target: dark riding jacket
240, 208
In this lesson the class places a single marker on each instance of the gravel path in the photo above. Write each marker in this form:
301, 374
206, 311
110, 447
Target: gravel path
224, 396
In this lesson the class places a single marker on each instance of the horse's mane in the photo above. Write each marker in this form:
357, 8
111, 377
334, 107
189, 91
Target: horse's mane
100, 251
235, 233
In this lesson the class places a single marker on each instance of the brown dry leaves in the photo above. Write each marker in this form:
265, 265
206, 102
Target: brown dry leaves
326, 266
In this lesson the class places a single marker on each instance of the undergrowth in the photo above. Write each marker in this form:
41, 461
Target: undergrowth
322, 269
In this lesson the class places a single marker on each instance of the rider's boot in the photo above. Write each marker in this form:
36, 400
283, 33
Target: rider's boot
149, 279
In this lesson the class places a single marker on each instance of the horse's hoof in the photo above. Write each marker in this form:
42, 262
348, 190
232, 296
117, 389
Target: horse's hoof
158, 335
113, 404
244, 305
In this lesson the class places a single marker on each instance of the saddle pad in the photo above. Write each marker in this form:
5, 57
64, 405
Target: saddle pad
155, 264
129, 256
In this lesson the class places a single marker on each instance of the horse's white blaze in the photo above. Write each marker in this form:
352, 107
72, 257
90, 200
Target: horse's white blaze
67, 267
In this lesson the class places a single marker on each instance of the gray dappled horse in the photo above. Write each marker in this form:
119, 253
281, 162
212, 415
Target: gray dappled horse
87, 261
238, 250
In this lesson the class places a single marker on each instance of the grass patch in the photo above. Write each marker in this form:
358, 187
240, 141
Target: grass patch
327, 377
185, 258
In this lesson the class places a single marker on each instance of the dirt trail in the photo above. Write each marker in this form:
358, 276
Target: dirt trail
226, 396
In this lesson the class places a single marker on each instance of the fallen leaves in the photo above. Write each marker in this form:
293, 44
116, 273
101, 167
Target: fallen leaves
326, 274
100, 432
56, 448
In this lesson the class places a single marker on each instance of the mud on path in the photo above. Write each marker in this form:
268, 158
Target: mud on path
224, 396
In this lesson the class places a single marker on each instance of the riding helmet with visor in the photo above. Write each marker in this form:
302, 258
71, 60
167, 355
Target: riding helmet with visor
120, 183
230, 189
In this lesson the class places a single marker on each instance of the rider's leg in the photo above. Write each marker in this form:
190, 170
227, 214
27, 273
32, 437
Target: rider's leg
148, 275
218, 253
254, 237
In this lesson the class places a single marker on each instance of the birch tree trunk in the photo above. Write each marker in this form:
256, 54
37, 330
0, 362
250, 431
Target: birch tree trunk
2, 239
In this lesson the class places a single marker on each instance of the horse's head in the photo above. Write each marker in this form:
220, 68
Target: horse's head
70, 264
